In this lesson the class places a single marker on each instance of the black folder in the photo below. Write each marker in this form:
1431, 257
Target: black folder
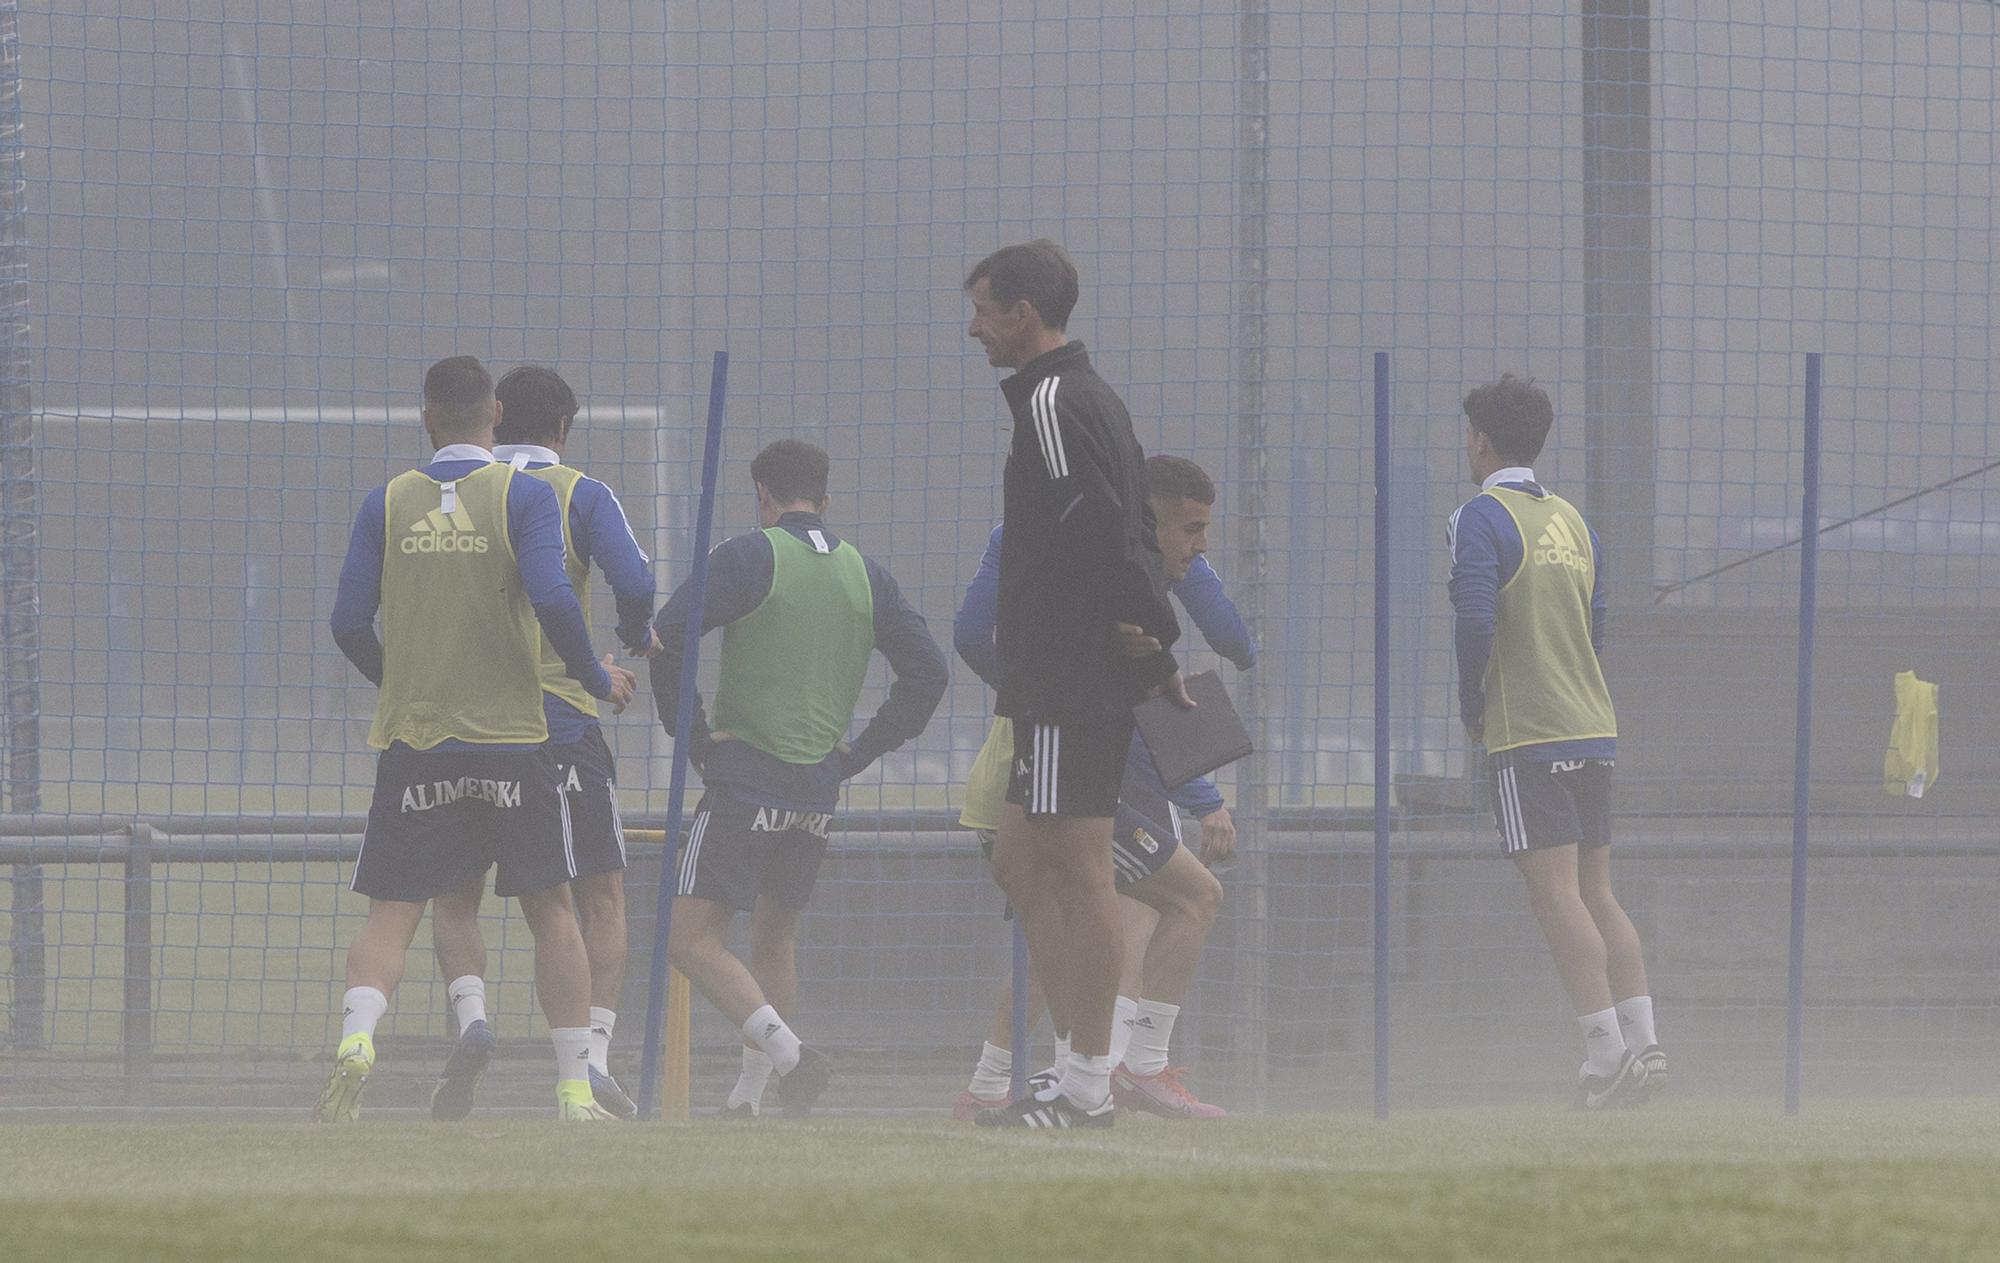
1191, 743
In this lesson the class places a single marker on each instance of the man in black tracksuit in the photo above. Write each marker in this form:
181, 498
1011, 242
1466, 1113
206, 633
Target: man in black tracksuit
1082, 635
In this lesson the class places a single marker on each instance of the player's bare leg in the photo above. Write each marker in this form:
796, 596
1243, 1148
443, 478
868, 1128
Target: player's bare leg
600, 915
1186, 898
1625, 963
697, 947
1061, 866
1581, 961
562, 984
774, 939
374, 967
461, 957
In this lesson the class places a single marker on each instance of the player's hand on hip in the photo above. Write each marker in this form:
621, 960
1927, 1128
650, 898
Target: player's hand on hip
1218, 836
1175, 689
1133, 641
623, 685
652, 646
1476, 730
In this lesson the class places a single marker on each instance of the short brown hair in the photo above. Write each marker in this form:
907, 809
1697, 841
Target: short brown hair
534, 404
456, 389
1178, 478
1514, 414
791, 470
1038, 271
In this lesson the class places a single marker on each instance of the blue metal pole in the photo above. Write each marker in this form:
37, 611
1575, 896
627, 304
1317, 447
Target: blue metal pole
1018, 1030
1795, 1007
1381, 734
656, 996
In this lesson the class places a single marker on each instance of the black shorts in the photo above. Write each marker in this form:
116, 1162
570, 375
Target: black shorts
1073, 769
1139, 848
440, 817
590, 787
736, 852
1539, 802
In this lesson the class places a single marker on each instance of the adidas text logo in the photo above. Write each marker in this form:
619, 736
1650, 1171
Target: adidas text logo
441, 532
1559, 546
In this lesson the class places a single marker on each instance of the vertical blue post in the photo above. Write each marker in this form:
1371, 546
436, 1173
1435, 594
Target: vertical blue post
1381, 734
1795, 1005
1018, 1029
656, 995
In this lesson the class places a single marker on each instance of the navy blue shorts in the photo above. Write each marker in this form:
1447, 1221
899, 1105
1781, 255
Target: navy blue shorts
736, 851
1540, 802
440, 817
590, 788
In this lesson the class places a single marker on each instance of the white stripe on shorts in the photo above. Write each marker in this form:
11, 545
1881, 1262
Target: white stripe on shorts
1513, 826
569, 839
617, 822
692, 855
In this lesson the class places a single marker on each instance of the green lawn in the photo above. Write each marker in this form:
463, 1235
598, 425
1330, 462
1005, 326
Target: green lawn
1905, 1181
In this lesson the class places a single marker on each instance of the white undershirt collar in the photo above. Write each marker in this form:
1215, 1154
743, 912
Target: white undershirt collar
462, 451
535, 454
1513, 473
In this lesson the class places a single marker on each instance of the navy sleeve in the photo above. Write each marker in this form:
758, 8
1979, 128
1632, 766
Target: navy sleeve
1199, 797
972, 629
739, 578
1476, 539
606, 537
360, 592
534, 524
1600, 604
901, 636
1215, 614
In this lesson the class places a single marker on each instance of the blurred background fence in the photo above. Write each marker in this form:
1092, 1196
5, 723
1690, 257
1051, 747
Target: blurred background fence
234, 235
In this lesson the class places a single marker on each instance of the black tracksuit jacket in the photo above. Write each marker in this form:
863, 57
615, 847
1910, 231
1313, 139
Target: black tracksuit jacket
1081, 551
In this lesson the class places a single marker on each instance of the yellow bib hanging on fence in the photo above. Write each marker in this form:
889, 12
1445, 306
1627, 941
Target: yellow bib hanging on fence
1911, 766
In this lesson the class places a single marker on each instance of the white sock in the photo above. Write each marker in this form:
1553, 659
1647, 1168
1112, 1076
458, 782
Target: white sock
768, 1031
468, 1000
360, 1009
1062, 1050
750, 1081
994, 1079
1086, 1081
1635, 1018
1152, 1027
1123, 1009
572, 1053
602, 1023
1602, 1044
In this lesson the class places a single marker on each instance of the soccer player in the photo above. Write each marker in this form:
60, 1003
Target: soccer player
1527, 588
1081, 563
463, 558
1169, 898
538, 411
803, 611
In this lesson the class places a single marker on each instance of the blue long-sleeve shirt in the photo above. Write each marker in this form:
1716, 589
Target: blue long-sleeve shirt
1487, 551
601, 533
1200, 592
534, 526
740, 571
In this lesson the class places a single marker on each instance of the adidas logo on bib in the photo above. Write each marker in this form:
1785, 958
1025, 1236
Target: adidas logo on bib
441, 532
1559, 546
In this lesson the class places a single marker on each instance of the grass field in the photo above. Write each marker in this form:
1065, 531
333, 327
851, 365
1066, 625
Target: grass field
1904, 1181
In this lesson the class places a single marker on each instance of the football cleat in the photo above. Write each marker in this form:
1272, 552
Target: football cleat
800, 1090
451, 1099
1627, 1086
574, 1104
1049, 1111
341, 1101
742, 1111
1655, 1062
1163, 1094
967, 1104
612, 1097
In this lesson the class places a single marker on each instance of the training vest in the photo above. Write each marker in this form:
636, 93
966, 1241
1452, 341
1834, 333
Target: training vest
459, 636
555, 675
792, 668
1543, 682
